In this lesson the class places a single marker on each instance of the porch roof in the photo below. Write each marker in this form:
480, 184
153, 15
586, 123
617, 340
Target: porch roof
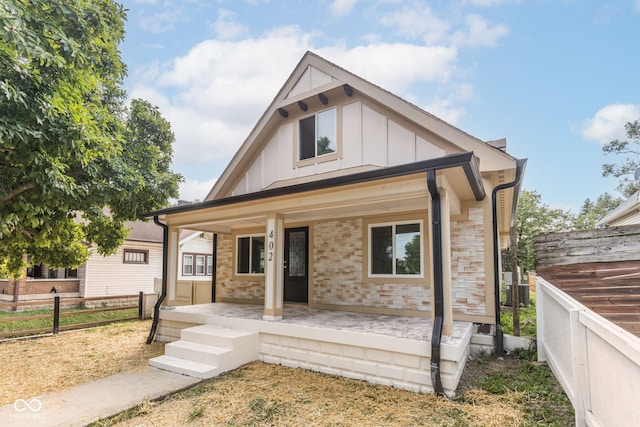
464, 162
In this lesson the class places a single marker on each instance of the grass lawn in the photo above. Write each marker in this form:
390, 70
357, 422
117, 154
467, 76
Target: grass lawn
512, 391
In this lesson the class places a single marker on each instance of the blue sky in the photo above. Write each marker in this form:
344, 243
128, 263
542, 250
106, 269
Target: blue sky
557, 79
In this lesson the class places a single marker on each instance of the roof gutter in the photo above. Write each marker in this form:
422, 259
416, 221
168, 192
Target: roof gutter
498, 343
163, 292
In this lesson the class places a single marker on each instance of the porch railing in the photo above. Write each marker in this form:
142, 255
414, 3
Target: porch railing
596, 362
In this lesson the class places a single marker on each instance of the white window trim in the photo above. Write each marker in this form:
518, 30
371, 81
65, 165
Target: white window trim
393, 242
238, 237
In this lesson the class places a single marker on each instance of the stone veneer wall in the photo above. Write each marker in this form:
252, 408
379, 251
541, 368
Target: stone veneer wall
468, 263
226, 287
338, 276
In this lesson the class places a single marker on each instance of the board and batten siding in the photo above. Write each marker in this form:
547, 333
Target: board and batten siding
109, 275
367, 138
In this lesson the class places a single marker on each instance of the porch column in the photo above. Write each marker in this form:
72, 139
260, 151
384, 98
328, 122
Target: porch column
172, 264
447, 326
273, 268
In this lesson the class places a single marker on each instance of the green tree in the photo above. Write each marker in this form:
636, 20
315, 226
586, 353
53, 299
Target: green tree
631, 149
75, 164
535, 217
592, 212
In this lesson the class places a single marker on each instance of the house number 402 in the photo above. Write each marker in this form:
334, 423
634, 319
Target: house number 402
271, 245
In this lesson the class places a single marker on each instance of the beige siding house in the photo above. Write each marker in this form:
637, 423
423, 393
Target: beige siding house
130, 270
348, 204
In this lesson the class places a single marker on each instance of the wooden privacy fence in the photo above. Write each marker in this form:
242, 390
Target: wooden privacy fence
131, 302
599, 268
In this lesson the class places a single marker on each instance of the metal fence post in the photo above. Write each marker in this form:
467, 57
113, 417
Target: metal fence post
141, 306
56, 315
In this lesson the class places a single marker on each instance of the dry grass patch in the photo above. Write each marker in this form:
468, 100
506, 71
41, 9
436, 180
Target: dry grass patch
42, 365
260, 394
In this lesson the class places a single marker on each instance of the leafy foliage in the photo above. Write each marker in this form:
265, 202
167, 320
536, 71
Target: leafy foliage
630, 148
532, 218
75, 164
592, 212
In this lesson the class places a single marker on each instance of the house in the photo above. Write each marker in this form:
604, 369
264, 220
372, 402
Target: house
354, 234
627, 213
136, 266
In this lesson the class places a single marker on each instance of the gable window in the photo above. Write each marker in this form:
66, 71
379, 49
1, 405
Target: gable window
250, 255
135, 256
396, 249
318, 135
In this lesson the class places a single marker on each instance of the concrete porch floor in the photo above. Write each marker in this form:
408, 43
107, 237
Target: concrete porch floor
404, 327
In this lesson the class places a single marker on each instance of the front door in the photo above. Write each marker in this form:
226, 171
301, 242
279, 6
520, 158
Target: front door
296, 261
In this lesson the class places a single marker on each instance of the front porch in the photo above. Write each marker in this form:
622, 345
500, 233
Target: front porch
381, 349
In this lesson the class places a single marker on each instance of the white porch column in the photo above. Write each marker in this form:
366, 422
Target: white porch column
273, 269
447, 326
172, 263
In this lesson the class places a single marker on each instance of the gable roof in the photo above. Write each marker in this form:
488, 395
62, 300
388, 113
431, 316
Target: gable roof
315, 75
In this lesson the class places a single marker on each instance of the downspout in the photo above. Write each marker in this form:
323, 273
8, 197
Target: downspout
436, 335
498, 343
163, 291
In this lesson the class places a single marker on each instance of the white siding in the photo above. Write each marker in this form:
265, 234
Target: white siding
400, 145
374, 137
111, 276
196, 245
311, 78
367, 138
352, 135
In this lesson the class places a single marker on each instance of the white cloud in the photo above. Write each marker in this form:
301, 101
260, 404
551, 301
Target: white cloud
342, 8
608, 123
480, 32
416, 21
192, 190
489, 3
637, 6
378, 63
165, 19
226, 28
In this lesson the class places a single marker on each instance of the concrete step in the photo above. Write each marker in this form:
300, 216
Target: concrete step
208, 350
195, 351
220, 336
185, 367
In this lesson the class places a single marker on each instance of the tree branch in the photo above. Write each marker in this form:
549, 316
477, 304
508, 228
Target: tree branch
18, 190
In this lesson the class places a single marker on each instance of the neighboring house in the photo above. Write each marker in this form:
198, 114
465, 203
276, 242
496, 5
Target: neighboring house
347, 198
628, 213
196, 255
130, 270
135, 267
